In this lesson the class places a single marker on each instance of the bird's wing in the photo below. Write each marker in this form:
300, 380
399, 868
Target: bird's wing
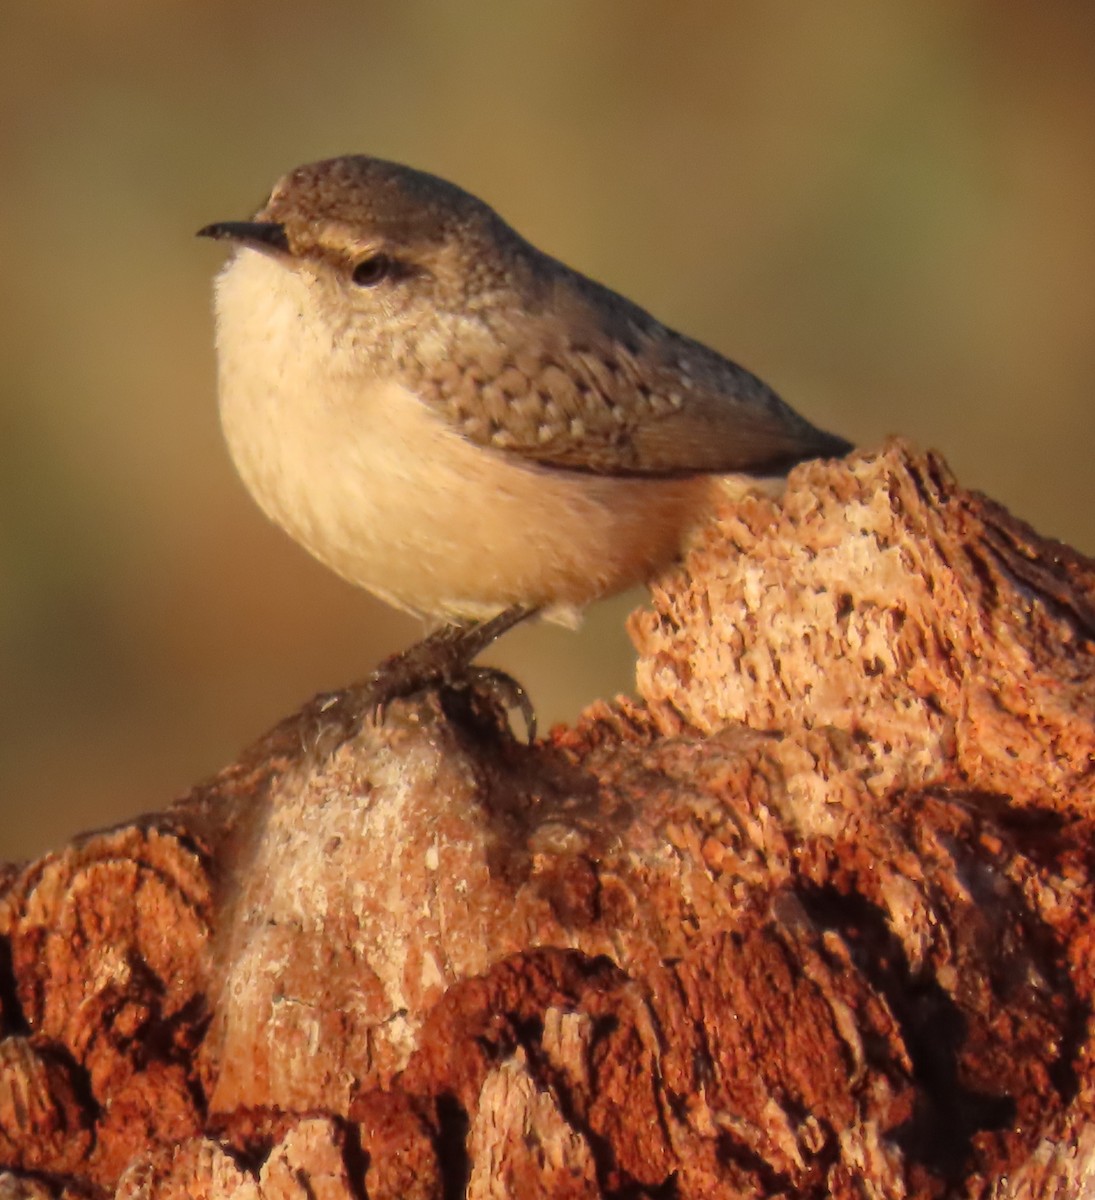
628, 398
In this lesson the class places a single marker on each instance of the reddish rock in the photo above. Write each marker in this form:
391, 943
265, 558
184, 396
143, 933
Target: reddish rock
812, 917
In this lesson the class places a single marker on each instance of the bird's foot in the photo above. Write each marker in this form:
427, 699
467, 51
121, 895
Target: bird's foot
444, 660
506, 692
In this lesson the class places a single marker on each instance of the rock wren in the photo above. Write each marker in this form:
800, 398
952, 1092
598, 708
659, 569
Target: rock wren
456, 421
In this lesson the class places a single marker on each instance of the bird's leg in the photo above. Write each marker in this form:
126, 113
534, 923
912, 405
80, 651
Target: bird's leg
444, 659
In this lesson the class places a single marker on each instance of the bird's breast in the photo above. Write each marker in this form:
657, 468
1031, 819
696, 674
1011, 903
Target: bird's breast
381, 488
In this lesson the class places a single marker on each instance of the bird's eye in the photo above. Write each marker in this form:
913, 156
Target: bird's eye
373, 270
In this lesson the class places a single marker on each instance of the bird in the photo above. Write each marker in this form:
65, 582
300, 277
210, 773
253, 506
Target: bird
458, 422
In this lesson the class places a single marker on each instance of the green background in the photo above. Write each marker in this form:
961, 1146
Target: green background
884, 209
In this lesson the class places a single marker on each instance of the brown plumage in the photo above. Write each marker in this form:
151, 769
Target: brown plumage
458, 422
533, 358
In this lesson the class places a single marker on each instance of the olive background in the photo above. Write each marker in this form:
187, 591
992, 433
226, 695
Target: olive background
884, 209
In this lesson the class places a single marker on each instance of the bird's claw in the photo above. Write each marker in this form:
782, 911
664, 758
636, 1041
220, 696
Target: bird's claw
444, 660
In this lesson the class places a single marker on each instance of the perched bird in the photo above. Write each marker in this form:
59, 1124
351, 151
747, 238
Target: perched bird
459, 423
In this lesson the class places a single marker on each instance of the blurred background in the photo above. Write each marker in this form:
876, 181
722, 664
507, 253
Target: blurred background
884, 209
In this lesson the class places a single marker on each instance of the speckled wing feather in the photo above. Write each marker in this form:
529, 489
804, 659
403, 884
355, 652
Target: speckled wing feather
603, 387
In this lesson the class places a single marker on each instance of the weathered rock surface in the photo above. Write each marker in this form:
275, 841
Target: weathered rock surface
813, 917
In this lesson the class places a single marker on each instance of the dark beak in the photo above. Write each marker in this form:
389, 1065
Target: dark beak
264, 235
